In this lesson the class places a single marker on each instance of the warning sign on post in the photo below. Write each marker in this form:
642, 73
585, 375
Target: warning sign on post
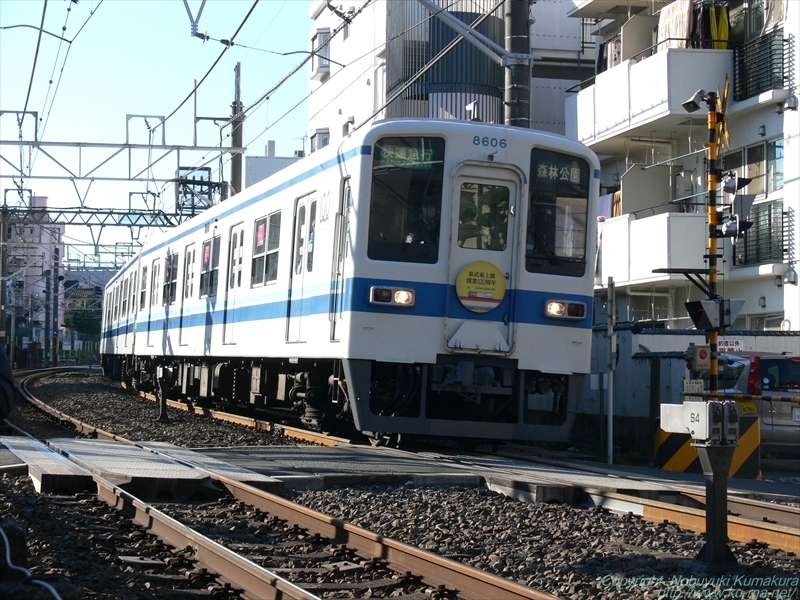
693, 386
702, 358
731, 344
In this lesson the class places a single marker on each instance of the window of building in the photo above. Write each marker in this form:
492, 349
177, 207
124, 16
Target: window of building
319, 139
209, 272
763, 163
746, 18
406, 199
774, 165
170, 279
320, 59
265, 249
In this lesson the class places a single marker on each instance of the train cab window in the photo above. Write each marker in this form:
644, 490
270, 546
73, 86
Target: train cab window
557, 214
170, 279
483, 216
143, 292
406, 199
209, 272
266, 241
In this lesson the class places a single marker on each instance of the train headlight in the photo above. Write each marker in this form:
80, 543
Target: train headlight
400, 297
404, 297
563, 309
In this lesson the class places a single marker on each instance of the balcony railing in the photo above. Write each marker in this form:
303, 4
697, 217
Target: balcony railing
758, 66
765, 241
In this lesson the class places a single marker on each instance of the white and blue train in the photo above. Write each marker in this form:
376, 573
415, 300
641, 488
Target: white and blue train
423, 277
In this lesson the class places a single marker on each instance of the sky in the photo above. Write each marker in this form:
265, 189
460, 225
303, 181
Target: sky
128, 57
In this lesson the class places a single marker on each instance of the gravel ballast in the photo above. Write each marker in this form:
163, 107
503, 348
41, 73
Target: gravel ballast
575, 553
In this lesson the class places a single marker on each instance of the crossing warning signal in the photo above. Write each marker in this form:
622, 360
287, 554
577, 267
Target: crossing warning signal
714, 314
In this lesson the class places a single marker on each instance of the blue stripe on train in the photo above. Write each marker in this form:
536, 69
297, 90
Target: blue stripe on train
432, 300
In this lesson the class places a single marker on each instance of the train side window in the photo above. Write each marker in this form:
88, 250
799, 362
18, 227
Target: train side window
143, 292
209, 272
134, 290
188, 272
170, 279
557, 214
124, 288
483, 216
273, 243
154, 285
259, 252
266, 240
406, 199
312, 222
299, 241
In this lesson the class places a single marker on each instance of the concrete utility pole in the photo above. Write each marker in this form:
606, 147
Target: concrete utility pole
517, 98
47, 288
237, 124
56, 268
3, 274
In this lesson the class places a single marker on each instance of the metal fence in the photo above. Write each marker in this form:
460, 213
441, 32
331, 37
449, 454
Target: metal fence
758, 66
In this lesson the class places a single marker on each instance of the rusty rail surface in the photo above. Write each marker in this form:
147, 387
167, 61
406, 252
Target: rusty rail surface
468, 582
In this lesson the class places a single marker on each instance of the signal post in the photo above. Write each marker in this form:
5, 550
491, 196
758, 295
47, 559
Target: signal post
713, 424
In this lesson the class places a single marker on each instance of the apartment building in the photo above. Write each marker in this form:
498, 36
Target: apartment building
652, 56
613, 75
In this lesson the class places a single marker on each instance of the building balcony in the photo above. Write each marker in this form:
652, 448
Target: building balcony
643, 97
631, 248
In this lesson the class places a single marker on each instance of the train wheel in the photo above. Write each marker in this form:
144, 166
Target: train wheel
388, 440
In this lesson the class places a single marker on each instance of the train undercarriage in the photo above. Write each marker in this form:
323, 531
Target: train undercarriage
468, 398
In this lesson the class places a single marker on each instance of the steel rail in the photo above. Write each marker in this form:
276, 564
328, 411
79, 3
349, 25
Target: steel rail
297, 433
256, 582
469, 583
768, 512
778, 530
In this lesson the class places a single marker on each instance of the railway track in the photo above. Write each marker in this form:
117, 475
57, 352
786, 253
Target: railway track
417, 573
775, 525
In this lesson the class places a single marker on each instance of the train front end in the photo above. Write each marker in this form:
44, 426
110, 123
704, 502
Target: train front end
471, 292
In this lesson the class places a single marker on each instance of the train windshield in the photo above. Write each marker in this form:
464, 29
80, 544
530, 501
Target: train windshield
557, 211
406, 203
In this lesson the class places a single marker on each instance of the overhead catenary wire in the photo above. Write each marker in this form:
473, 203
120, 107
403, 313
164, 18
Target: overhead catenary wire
197, 86
283, 80
33, 69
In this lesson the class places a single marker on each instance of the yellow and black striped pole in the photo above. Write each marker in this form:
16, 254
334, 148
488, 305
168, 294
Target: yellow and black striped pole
713, 179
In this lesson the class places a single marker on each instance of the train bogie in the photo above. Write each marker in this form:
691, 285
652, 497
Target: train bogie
424, 277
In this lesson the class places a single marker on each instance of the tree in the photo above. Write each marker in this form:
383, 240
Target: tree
85, 317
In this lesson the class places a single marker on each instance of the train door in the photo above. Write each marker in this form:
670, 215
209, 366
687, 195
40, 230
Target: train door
154, 287
235, 250
186, 295
124, 312
339, 255
302, 264
482, 263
